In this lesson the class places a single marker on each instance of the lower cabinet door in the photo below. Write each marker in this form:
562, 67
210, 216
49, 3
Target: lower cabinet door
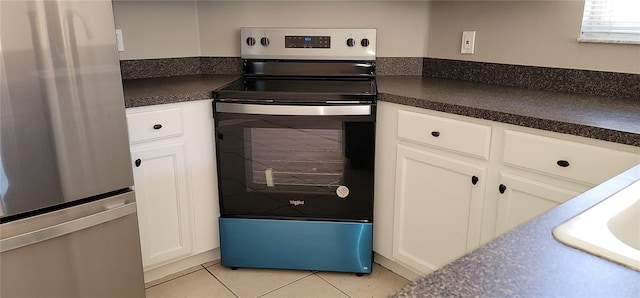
438, 208
163, 204
522, 199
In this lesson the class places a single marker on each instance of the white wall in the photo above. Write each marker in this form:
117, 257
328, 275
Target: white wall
540, 33
158, 29
166, 29
525, 32
401, 26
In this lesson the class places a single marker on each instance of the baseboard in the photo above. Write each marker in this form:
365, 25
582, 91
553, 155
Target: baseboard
180, 267
397, 268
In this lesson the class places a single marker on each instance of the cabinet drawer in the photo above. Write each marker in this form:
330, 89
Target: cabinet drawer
581, 162
463, 137
147, 126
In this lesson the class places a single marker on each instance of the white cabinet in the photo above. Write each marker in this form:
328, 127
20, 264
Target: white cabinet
425, 161
438, 208
173, 159
539, 172
201, 173
432, 191
150, 124
521, 199
163, 202
385, 179
456, 136
568, 160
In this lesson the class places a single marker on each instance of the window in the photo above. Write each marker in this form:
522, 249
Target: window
611, 21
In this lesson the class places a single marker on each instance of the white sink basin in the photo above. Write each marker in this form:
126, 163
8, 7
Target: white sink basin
610, 229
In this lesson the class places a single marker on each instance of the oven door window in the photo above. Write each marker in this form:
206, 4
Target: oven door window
313, 167
295, 160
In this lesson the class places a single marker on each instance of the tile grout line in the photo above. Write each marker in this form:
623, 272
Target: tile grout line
320, 274
286, 285
336, 287
223, 284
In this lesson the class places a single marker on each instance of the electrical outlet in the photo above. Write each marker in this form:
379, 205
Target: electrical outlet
119, 40
468, 42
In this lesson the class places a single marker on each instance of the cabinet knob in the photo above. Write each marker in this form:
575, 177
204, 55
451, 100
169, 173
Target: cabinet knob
563, 163
157, 126
138, 162
474, 180
435, 133
502, 188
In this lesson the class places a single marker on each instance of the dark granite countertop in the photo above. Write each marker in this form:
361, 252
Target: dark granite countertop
598, 117
529, 262
146, 92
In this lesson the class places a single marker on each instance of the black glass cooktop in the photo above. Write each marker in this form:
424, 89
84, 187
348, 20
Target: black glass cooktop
299, 90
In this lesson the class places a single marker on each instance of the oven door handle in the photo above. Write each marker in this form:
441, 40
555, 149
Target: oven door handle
295, 110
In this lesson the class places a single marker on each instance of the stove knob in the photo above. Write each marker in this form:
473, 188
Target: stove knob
264, 41
251, 41
350, 42
364, 42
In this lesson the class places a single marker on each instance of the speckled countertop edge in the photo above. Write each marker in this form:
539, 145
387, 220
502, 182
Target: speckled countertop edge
582, 130
155, 91
610, 120
529, 262
595, 117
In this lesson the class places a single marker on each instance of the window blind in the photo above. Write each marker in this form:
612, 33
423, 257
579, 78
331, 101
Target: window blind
611, 21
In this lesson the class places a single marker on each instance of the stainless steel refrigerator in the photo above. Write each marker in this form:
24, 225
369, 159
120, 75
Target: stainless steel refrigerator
67, 210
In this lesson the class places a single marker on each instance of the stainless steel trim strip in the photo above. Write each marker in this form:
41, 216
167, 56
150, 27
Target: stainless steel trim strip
238, 108
344, 102
66, 227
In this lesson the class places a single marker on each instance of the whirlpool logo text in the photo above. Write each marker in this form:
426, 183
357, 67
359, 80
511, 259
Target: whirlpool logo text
296, 202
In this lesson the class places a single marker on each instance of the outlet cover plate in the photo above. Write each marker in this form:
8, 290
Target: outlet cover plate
468, 42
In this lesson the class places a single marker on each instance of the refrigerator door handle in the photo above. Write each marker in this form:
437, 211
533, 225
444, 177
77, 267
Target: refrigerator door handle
67, 227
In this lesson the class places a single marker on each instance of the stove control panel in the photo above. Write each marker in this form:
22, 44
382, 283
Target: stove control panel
308, 43
319, 42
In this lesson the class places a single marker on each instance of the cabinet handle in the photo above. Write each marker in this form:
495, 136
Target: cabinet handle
474, 180
563, 163
502, 188
435, 133
138, 162
157, 126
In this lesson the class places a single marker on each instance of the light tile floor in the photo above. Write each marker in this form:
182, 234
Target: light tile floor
213, 280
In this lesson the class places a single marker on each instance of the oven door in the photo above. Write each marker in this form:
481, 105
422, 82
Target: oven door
295, 162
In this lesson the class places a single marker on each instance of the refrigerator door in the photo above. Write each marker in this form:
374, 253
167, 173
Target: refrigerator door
63, 132
89, 250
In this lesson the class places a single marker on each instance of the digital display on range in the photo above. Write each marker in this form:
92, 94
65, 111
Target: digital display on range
317, 42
